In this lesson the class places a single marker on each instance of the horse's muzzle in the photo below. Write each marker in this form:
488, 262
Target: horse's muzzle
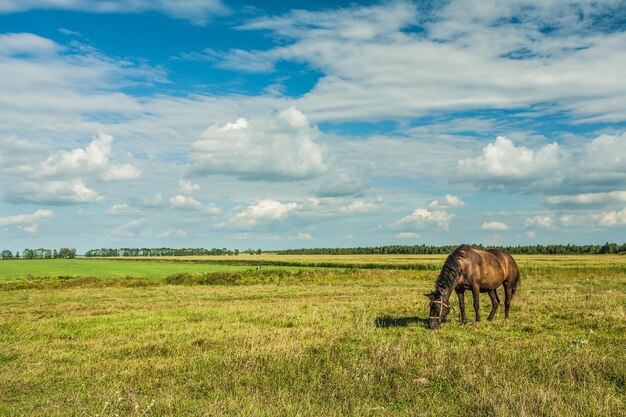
434, 323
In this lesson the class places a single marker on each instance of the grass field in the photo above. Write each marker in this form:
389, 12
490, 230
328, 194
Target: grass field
423, 262
11, 270
311, 342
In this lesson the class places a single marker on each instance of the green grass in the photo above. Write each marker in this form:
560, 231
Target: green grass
330, 343
11, 270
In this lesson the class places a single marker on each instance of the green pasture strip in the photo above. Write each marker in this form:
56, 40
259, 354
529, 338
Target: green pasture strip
526, 263
339, 343
421, 266
227, 277
11, 270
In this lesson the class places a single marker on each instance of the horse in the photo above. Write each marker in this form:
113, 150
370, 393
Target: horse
477, 271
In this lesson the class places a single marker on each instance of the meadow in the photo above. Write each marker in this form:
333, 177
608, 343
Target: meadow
190, 337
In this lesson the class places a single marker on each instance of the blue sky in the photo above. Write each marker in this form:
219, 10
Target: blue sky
208, 123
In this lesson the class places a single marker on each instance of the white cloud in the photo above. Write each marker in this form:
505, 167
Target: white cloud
543, 222
588, 198
303, 236
603, 163
187, 187
460, 61
69, 32
503, 162
270, 211
494, 226
196, 11
614, 218
599, 219
280, 147
449, 201
91, 160
264, 211
123, 210
26, 218
423, 218
26, 43
125, 172
589, 174
407, 235
94, 157
185, 202
332, 207
54, 192
33, 228
127, 230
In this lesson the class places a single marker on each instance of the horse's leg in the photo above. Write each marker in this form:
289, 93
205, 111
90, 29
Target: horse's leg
494, 304
508, 294
461, 295
476, 294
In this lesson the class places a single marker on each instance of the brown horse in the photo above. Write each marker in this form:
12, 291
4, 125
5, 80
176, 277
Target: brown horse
477, 271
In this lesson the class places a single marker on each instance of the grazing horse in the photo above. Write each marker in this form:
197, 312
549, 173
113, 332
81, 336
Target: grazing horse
477, 271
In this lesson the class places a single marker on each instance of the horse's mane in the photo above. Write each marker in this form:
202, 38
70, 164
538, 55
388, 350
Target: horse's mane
451, 269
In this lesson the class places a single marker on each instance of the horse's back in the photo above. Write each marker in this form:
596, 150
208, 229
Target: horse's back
508, 263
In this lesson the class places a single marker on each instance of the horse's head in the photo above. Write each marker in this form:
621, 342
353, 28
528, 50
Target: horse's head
439, 309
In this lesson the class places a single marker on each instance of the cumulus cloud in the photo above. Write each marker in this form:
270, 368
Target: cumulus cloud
127, 230
602, 165
407, 235
500, 226
92, 160
614, 218
600, 219
279, 148
264, 211
26, 218
54, 192
94, 157
503, 162
587, 198
423, 218
448, 201
196, 11
270, 211
123, 210
185, 202
125, 172
187, 187
587, 175
543, 222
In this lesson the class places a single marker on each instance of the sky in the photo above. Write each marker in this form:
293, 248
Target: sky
274, 125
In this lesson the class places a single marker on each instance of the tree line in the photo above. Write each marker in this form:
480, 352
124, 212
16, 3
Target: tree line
607, 248
41, 253
112, 252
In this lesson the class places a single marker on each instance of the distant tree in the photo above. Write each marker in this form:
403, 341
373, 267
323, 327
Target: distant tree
259, 251
55, 254
17, 255
67, 253
6, 254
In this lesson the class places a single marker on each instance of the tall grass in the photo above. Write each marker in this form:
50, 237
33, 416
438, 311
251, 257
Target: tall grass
328, 343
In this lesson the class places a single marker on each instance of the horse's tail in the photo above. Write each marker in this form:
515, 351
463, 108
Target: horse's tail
518, 281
